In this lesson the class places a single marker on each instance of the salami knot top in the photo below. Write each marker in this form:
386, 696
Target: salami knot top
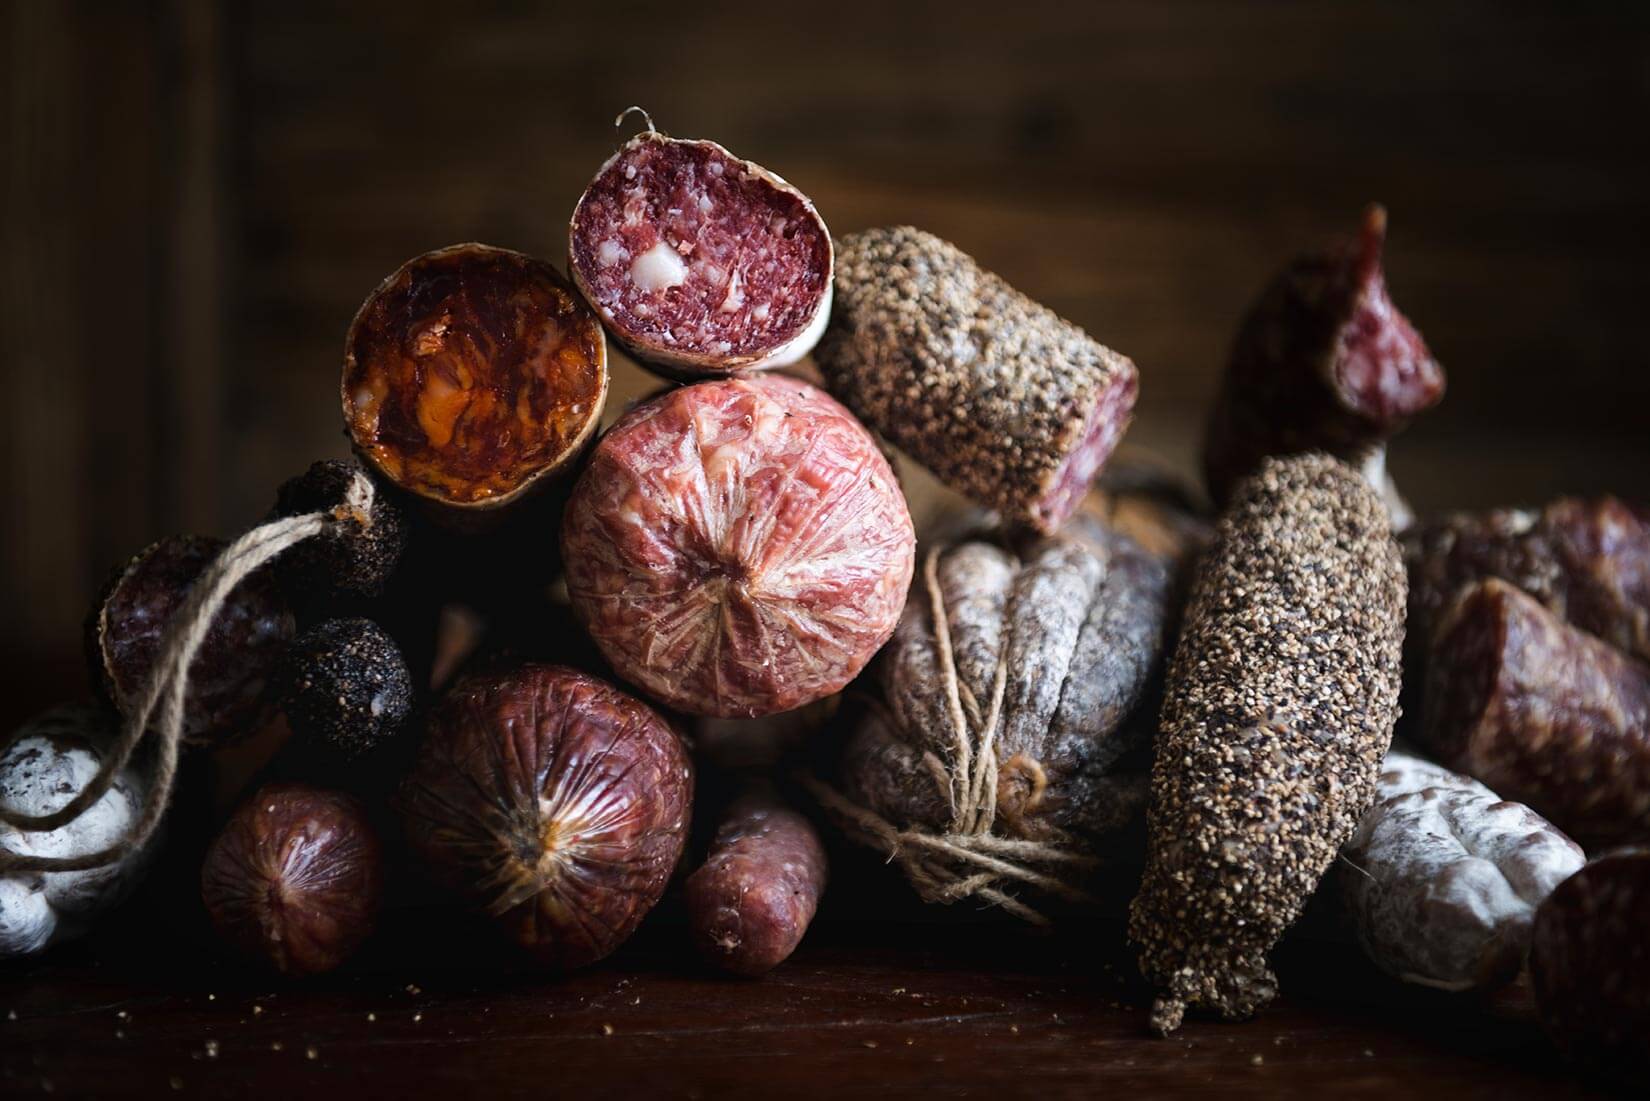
738, 547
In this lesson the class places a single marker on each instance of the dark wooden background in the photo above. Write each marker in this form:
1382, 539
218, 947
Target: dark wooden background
198, 196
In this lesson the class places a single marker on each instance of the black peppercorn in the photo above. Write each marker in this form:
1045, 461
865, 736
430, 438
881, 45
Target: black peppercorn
355, 558
346, 685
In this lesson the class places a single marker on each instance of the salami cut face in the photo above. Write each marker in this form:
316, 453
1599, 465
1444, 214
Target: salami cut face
471, 374
699, 262
738, 547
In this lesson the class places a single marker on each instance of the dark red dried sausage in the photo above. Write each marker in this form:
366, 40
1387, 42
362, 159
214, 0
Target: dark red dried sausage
1587, 561
751, 901
1543, 713
1590, 964
1324, 361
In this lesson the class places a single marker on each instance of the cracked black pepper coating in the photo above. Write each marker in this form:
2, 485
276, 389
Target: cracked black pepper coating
356, 558
346, 685
1280, 704
991, 391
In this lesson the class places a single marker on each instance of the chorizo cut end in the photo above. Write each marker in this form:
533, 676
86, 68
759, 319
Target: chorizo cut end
698, 262
473, 374
738, 547
554, 802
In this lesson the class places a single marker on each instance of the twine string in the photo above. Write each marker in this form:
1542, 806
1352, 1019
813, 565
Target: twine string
967, 860
167, 689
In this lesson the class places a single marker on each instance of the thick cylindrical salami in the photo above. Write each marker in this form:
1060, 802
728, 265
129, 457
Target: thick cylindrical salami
1005, 401
1590, 965
553, 801
1324, 361
752, 900
1280, 704
1441, 879
1587, 561
1542, 712
738, 547
472, 376
700, 263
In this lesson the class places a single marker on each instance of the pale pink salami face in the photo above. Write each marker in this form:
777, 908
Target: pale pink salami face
739, 547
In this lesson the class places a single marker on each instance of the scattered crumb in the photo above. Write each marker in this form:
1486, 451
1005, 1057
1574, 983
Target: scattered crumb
412, 988
1368, 1054
909, 1041
11, 1014
211, 997
123, 1015
869, 1043
175, 1082
211, 1049
1256, 1059
257, 1010
120, 1034
637, 1001
311, 1053
607, 1030
1014, 1029
372, 1016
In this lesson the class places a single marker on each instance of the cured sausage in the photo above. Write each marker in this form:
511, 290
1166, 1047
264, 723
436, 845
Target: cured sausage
750, 903
700, 263
1005, 401
1541, 712
738, 547
1587, 561
1590, 965
553, 801
473, 376
1442, 878
1280, 703
1323, 361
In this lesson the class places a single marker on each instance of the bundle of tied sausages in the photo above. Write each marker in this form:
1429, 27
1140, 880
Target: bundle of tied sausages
1079, 683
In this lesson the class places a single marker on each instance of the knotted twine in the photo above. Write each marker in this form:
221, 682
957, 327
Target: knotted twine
967, 859
168, 685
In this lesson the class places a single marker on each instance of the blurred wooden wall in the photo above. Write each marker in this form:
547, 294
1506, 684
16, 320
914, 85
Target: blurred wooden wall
199, 195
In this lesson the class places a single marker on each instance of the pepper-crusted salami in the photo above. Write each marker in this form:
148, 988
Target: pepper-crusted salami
1590, 964
1001, 398
750, 903
698, 262
1441, 879
1279, 706
473, 375
1324, 361
1542, 712
738, 547
1587, 561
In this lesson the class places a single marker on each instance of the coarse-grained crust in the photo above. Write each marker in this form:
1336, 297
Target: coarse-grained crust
1441, 879
751, 901
1280, 704
1001, 398
473, 376
553, 801
738, 547
1542, 712
719, 219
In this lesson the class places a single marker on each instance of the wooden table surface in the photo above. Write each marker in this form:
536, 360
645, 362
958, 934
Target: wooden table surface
885, 998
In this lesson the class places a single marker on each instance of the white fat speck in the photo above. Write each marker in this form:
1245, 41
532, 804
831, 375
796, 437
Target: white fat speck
760, 313
735, 296
610, 252
657, 269
704, 204
630, 172
715, 168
